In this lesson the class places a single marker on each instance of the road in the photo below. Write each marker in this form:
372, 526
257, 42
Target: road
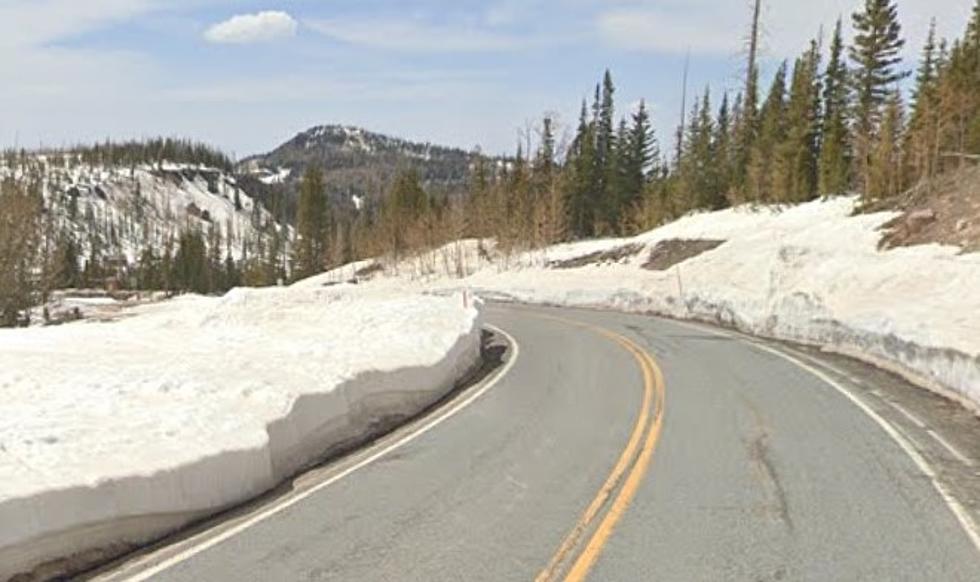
623, 447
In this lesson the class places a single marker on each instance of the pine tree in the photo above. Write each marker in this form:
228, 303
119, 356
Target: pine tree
606, 163
835, 155
20, 221
875, 53
707, 193
545, 160
583, 189
921, 140
639, 152
772, 131
312, 225
191, 263
722, 145
406, 204
885, 168
797, 154
962, 100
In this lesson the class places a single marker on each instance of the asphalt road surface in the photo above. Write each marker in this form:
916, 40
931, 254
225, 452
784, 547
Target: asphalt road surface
624, 447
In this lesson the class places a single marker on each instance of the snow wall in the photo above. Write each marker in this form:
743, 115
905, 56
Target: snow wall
72, 518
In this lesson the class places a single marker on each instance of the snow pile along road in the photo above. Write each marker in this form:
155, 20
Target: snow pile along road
811, 273
113, 434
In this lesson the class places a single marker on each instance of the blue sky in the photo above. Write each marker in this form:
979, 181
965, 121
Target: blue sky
246, 75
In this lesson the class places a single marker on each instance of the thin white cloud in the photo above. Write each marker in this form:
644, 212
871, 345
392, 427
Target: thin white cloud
252, 28
650, 29
35, 22
414, 36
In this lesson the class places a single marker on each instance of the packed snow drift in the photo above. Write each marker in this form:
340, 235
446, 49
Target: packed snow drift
811, 273
114, 433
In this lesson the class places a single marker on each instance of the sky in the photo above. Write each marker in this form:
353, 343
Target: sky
246, 75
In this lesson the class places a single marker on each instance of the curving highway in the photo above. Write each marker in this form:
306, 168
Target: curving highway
624, 447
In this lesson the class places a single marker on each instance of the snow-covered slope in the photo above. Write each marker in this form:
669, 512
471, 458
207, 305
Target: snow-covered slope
125, 209
811, 273
115, 433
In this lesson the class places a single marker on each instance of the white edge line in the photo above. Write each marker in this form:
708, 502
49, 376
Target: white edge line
949, 447
274, 509
962, 516
901, 410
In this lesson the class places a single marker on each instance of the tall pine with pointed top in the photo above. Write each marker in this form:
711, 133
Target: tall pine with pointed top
921, 139
638, 152
876, 57
772, 131
606, 163
583, 188
835, 147
797, 154
722, 141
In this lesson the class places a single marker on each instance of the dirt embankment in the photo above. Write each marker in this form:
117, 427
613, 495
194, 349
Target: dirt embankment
672, 252
615, 255
945, 210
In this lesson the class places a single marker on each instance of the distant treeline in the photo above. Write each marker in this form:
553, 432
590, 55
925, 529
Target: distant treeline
152, 151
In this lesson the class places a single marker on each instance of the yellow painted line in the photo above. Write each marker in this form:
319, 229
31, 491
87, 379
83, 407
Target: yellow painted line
590, 554
653, 394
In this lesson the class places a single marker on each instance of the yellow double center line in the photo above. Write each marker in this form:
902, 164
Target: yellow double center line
626, 475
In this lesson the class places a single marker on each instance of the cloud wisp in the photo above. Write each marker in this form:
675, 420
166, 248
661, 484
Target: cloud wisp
414, 36
260, 27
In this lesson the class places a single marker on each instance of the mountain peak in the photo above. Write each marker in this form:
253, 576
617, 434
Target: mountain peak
359, 162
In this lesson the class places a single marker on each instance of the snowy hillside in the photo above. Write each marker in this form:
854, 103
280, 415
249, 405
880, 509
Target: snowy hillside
810, 273
123, 210
115, 433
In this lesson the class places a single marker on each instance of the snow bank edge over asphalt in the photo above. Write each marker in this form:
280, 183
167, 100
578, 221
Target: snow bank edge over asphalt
948, 372
80, 525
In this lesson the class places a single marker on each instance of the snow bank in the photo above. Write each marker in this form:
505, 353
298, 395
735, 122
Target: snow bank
810, 273
113, 434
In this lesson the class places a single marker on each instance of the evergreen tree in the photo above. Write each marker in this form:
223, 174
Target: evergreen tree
722, 146
922, 139
68, 273
875, 53
772, 131
797, 154
406, 203
312, 225
191, 263
639, 152
885, 168
148, 270
545, 160
707, 193
606, 163
583, 190
835, 156
961, 99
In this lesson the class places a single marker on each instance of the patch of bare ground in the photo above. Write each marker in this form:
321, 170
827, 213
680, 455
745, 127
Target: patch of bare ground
614, 255
369, 271
675, 251
945, 211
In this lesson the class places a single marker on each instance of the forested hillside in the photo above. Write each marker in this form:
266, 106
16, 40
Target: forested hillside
156, 215
357, 162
